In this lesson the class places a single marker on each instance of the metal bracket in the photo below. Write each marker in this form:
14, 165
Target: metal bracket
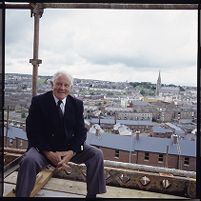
37, 9
35, 61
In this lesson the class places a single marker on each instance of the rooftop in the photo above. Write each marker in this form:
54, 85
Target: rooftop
144, 143
124, 122
159, 129
121, 142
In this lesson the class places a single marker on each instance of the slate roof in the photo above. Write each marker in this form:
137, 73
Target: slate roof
124, 122
159, 129
140, 103
177, 129
127, 143
14, 132
145, 144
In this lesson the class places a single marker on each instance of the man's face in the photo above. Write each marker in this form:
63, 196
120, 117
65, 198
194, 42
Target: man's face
61, 87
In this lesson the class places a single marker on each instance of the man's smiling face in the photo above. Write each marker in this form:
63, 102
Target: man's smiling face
61, 87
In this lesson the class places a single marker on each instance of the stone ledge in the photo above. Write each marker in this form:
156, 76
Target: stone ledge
136, 179
140, 177
68, 188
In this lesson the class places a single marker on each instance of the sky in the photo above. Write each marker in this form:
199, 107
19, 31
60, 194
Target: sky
112, 45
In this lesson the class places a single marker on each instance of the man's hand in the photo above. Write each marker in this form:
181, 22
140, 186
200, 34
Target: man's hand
65, 158
59, 158
54, 157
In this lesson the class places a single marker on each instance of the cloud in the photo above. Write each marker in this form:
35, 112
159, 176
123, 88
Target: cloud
19, 27
143, 42
95, 44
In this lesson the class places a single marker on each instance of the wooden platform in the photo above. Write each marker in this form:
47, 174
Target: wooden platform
67, 188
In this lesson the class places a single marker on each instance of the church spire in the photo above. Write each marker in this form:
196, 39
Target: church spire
158, 84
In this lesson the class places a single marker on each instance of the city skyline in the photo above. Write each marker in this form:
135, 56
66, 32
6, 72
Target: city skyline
111, 45
153, 83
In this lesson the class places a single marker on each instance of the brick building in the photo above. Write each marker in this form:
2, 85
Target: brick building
16, 138
153, 151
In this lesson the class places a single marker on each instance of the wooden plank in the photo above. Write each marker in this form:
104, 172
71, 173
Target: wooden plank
42, 178
46, 175
11, 154
38, 177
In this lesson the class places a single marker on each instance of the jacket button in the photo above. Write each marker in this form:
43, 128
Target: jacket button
52, 135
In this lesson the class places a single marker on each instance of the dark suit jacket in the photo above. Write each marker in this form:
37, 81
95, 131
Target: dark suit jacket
43, 129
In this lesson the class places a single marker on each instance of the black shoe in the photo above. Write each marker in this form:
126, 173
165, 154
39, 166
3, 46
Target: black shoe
91, 196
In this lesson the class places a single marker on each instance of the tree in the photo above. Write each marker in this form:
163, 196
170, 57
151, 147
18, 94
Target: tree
142, 92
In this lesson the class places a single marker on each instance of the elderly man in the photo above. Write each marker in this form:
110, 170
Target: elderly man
56, 135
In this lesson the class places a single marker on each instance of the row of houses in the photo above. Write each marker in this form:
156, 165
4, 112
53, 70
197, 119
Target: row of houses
163, 152
140, 110
172, 152
146, 126
134, 125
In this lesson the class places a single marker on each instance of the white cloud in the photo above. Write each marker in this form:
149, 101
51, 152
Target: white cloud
114, 45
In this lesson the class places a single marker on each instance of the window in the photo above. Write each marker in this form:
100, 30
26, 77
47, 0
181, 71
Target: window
146, 156
186, 161
160, 158
116, 153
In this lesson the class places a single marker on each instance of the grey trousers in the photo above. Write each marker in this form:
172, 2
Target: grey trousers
33, 162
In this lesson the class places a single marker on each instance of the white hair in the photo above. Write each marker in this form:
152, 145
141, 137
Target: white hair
63, 72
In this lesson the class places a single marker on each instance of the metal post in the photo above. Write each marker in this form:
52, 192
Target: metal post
104, 5
101, 5
7, 120
166, 159
198, 149
37, 11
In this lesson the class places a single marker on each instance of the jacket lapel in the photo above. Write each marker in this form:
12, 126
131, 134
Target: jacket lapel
51, 110
69, 112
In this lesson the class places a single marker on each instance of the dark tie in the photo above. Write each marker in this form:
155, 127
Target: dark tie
59, 109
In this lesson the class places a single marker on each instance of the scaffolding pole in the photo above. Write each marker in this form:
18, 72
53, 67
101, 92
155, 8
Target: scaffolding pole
107, 6
37, 12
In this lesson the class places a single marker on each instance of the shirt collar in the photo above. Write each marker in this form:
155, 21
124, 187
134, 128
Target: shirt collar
56, 100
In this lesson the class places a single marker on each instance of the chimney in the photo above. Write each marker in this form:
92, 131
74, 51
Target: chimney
97, 131
115, 118
137, 135
174, 138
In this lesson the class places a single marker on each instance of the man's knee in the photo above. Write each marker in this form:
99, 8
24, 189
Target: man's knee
28, 161
98, 154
